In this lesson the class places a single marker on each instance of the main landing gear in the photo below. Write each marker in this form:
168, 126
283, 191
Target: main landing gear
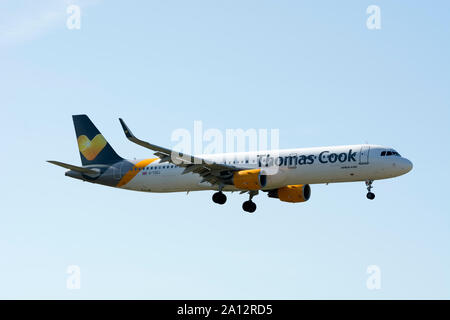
370, 194
249, 206
219, 197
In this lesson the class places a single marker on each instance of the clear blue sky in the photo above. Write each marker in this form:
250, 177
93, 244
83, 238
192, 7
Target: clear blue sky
311, 69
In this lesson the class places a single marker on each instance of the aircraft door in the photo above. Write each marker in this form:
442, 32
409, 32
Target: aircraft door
364, 154
117, 171
292, 161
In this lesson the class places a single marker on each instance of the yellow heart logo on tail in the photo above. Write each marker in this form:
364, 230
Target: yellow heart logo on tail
91, 148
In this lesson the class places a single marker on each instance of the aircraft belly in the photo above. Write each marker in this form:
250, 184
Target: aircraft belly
171, 182
174, 181
328, 174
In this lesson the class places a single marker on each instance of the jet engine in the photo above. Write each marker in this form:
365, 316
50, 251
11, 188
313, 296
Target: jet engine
249, 179
292, 193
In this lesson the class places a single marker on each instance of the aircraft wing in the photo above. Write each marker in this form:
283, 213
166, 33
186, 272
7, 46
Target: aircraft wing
211, 172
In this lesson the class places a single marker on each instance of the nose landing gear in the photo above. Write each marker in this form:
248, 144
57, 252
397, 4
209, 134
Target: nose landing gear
370, 194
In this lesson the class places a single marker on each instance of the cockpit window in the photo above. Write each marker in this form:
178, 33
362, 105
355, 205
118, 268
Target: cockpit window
387, 153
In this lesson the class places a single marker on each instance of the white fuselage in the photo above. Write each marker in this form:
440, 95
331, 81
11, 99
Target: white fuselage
282, 167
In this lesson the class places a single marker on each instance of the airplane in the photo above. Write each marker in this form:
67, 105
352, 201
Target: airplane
283, 174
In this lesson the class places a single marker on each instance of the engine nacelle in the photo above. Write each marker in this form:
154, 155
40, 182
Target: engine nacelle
249, 179
292, 193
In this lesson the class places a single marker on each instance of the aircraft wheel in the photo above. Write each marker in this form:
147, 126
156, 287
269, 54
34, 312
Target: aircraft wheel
249, 206
370, 195
219, 198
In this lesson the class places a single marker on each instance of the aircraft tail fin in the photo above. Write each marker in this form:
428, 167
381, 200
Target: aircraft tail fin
93, 147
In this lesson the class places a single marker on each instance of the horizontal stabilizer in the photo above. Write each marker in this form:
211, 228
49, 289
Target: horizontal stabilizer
74, 168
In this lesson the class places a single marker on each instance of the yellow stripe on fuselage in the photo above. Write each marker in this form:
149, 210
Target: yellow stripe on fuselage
134, 171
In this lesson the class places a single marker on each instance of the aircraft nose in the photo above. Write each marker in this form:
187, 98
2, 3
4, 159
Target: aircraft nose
407, 165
